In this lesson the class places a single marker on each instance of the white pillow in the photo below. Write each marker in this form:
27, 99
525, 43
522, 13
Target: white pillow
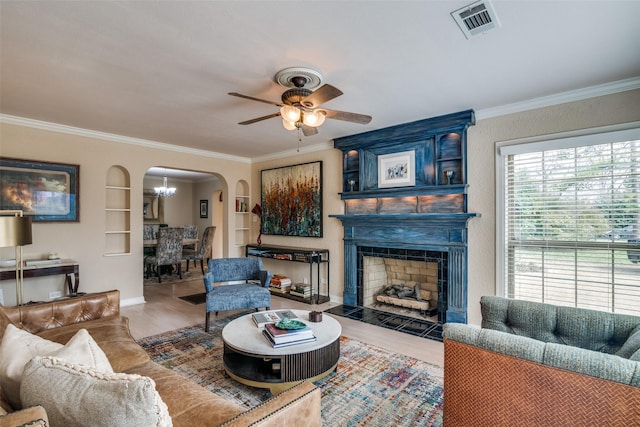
19, 346
91, 398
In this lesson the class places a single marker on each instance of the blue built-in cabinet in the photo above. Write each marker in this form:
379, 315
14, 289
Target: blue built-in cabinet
439, 144
429, 215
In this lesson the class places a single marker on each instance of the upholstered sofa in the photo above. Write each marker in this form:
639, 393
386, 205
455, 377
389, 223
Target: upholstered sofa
188, 403
533, 364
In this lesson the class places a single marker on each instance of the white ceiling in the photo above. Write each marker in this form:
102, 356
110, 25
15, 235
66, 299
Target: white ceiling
161, 71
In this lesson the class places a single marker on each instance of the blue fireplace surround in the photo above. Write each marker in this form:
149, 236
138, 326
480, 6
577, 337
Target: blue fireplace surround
438, 233
428, 219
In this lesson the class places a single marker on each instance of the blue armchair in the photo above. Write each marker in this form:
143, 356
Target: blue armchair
236, 296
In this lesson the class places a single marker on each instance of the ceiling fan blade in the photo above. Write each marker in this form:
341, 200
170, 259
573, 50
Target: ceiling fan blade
239, 95
320, 96
348, 117
259, 119
309, 130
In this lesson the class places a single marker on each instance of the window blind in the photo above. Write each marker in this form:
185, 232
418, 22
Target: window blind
571, 224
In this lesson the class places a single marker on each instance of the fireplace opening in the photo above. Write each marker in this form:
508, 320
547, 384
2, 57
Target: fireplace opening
405, 287
407, 282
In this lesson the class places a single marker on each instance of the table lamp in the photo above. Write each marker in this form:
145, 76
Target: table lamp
15, 230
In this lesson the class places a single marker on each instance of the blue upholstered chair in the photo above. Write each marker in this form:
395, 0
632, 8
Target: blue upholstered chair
203, 251
168, 252
236, 296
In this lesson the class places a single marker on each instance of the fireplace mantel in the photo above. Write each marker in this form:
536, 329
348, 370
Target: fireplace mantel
428, 216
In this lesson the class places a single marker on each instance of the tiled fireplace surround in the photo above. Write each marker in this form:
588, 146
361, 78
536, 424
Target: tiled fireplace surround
441, 239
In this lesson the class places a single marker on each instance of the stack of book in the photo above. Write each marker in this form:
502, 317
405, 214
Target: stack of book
261, 318
301, 290
280, 283
285, 337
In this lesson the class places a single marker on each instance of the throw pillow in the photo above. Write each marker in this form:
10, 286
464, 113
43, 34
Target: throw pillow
19, 346
90, 397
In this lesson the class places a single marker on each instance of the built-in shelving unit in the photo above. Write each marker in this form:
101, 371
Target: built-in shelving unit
117, 212
439, 145
242, 214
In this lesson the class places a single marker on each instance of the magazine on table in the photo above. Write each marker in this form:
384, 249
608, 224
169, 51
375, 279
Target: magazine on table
261, 318
296, 340
278, 333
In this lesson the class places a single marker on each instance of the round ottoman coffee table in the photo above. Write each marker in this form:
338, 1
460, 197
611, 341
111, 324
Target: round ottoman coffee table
250, 359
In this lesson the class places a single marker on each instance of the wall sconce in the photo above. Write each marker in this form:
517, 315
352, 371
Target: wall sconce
15, 230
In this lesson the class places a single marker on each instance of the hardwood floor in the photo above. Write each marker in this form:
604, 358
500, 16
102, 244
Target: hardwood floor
164, 311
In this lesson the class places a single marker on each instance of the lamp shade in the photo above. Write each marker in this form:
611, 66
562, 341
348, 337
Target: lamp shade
15, 231
288, 125
290, 113
314, 118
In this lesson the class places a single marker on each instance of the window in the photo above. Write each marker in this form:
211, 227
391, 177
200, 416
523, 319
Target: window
569, 221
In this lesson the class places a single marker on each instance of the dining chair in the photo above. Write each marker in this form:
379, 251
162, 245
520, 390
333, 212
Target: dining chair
150, 232
168, 252
190, 232
203, 251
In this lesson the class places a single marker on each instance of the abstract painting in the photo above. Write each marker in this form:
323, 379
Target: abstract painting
292, 200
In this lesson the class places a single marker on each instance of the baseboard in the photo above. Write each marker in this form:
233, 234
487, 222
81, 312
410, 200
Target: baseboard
132, 301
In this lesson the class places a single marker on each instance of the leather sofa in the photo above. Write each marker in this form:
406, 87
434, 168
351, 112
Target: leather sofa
188, 403
534, 364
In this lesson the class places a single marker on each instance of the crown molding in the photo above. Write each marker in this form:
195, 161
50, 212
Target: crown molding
560, 98
294, 152
518, 107
55, 127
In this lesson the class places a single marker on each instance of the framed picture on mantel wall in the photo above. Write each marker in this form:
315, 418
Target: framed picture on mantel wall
397, 169
292, 200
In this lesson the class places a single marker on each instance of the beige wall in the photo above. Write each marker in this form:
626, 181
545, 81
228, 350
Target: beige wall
607, 110
332, 227
84, 241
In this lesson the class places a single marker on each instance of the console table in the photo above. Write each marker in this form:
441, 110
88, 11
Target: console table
66, 267
292, 254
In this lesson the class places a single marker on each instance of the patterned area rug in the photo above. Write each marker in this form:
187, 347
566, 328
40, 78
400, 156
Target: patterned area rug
372, 386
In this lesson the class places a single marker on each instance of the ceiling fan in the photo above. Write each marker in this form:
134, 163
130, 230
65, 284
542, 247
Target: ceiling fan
300, 106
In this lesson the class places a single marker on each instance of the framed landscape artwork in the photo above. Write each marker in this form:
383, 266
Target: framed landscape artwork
397, 169
45, 191
292, 200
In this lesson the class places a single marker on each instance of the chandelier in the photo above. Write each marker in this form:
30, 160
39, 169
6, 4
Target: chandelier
165, 190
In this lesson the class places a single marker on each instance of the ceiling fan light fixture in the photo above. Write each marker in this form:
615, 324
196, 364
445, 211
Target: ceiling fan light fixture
314, 118
290, 113
288, 125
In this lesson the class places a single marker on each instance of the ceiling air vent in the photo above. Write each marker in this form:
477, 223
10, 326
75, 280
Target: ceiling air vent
476, 18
